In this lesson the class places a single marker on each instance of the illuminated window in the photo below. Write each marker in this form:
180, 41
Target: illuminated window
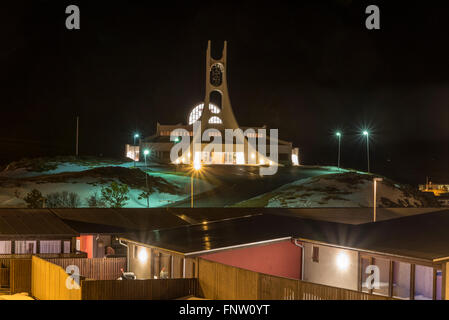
215, 119
195, 114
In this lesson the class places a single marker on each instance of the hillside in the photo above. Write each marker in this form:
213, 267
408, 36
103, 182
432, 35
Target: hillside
346, 189
87, 176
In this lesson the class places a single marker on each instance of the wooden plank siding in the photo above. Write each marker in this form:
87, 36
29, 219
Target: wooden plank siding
49, 282
20, 275
94, 268
152, 289
222, 282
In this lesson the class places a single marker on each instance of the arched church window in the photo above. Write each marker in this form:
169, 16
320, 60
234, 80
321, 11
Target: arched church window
195, 114
215, 119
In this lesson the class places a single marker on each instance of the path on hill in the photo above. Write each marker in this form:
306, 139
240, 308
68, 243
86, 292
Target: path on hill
239, 183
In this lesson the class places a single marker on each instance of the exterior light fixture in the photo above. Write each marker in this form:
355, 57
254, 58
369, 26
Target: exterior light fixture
142, 255
197, 166
342, 261
365, 133
338, 134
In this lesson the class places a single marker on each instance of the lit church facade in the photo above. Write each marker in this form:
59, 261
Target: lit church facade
217, 120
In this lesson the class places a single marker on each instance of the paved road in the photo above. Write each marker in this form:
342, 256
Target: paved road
239, 183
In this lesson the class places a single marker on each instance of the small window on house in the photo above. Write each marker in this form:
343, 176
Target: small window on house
315, 254
67, 246
5, 247
50, 246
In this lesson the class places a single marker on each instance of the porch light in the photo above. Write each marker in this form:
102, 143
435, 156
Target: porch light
342, 261
142, 256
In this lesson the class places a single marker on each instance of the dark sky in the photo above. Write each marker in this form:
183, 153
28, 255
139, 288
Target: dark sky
305, 67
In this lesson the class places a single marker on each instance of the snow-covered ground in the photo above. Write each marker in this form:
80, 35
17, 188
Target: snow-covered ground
343, 189
60, 168
16, 183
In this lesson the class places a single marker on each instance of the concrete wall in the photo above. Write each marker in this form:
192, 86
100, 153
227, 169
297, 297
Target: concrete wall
281, 259
336, 267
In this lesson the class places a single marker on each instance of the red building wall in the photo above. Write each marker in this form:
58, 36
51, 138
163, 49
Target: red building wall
86, 244
281, 259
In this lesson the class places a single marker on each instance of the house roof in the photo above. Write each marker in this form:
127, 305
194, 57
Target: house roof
35, 222
108, 220
240, 231
422, 236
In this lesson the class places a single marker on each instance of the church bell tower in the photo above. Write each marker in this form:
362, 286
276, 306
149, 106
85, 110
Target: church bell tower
216, 81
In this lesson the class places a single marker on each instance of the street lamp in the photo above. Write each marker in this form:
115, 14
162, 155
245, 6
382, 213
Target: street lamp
145, 153
365, 133
374, 197
338, 134
196, 168
136, 135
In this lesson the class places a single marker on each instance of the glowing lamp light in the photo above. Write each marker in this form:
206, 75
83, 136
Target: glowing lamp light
197, 166
342, 261
177, 161
262, 161
253, 155
143, 255
146, 152
271, 163
365, 133
338, 134
188, 154
136, 135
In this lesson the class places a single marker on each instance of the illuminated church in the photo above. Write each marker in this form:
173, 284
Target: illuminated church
215, 119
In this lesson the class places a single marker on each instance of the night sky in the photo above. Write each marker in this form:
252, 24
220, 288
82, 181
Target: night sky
307, 68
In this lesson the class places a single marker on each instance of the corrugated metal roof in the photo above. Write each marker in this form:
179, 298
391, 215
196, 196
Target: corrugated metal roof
25, 222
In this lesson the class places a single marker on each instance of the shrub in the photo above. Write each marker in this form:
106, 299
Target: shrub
94, 201
34, 199
115, 196
63, 199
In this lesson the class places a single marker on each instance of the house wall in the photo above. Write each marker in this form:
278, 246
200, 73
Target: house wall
336, 267
139, 261
281, 259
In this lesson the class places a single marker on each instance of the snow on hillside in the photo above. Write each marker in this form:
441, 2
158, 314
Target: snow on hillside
41, 166
346, 189
86, 178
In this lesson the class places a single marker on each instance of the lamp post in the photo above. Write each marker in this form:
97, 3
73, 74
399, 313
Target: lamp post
365, 133
374, 197
145, 153
338, 134
136, 135
196, 168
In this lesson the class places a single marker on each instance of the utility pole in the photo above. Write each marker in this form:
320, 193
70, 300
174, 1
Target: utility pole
77, 132
374, 198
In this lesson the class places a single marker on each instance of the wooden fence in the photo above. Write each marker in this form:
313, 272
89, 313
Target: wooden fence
152, 289
20, 275
15, 274
222, 282
49, 282
96, 268
4, 272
